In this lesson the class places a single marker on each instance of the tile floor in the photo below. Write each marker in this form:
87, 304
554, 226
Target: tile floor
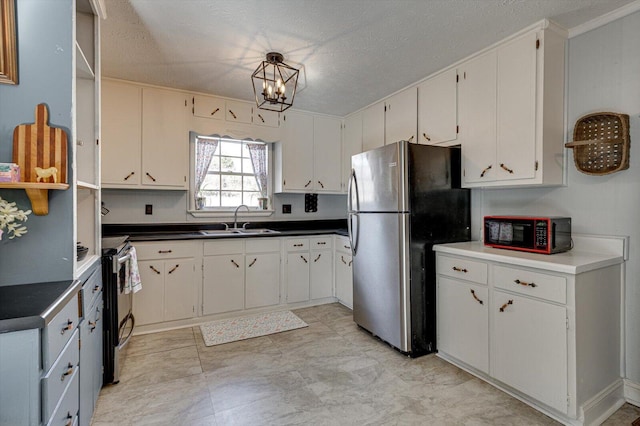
331, 373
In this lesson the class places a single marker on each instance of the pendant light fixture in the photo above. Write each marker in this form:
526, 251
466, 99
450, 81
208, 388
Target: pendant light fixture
274, 83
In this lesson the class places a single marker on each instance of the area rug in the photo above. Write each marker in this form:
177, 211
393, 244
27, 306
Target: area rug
233, 329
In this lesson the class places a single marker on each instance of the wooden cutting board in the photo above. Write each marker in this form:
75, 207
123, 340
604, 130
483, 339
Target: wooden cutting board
43, 146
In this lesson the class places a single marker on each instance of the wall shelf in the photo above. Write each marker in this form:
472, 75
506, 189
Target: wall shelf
38, 194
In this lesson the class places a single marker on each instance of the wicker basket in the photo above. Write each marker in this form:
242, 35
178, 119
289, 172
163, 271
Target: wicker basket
601, 143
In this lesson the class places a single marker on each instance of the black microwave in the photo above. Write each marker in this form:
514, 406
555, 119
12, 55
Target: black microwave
545, 235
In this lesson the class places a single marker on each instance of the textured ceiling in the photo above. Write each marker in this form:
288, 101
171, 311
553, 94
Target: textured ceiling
353, 52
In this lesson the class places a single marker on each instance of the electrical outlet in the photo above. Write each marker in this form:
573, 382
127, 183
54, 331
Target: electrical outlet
286, 209
148, 209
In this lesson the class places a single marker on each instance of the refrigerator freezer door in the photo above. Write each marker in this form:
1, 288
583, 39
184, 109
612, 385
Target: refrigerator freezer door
381, 179
381, 277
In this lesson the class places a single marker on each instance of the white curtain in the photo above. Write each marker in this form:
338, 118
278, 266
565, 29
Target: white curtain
205, 148
258, 154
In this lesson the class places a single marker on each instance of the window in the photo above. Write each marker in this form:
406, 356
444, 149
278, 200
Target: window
229, 172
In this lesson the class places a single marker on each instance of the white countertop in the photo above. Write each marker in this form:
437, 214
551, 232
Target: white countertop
587, 255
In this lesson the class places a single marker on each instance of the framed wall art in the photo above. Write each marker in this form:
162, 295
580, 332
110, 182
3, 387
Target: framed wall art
8, 47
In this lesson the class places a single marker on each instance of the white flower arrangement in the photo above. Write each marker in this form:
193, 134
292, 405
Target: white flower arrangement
11, 219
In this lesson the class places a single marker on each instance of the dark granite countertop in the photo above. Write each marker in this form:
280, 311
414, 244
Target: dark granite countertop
28, 306
191, 231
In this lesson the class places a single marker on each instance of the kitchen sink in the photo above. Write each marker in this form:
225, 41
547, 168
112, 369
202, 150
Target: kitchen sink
258, 231
239, 231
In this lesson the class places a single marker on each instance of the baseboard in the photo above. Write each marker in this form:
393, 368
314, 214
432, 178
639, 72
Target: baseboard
632, 392
597, 409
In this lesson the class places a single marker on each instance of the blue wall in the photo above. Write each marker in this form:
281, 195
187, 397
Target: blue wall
45, 58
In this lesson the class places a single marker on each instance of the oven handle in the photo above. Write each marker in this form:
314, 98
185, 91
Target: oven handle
117, 261
121, 343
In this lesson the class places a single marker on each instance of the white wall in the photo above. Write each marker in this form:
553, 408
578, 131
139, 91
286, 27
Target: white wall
127, 206
604, 75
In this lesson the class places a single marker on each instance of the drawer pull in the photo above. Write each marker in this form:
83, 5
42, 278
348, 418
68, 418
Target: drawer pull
234, 263
486, 170
96, 289
95, 323
253, 262
174, 269
129, 175
526, 284
150, 177
298, 245
347, 247
68, 372
473, 293
154, 269
317, 258
506, 168
303, 258
69, 326
165, 251
69, 419
321, 243
503, 307
455, 268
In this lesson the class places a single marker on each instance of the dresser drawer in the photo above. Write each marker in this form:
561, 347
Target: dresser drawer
462, 268
91, 289
530, 283
262, 245
212, 248
165, 250
66, 412
297, 244
58, 332
318, 243
56, 380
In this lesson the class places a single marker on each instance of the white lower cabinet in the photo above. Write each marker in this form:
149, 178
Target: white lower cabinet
262, 272
309, 268
298, 271
169, 279
223, 276
343, 271
535, 329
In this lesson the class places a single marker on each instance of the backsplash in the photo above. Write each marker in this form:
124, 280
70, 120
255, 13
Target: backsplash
128, 206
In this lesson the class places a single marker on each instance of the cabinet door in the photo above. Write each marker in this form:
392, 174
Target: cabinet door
238, 112
263, 117
90, 362
477, 118
438, 109
165, 138
208, 107
516, 106
148, 303
351, 145
529, 348
297, 153
179, 289
373, 127
326, 154
401, 117
223, 287
463, 322
297, 277
344, 279
321, 274
121, 134
262, 279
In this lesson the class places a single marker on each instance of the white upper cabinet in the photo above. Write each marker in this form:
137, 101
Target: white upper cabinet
208, 107
121, 134
263, 117
401, 116
373, 127
510, 103
351, 145
438, 110
327, 153
238, 112
165, 138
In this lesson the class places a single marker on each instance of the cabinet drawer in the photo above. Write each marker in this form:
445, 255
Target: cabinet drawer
91, 289
165, 250
317, 243
56, 380
543, 286
297, 244
262, 245
67, 411
223, 247
58, 332
343, 245
462, 268
208, 107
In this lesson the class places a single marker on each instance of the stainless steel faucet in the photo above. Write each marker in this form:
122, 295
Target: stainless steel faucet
235, 215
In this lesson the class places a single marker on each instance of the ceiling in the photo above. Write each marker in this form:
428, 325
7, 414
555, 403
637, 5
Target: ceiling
352, 52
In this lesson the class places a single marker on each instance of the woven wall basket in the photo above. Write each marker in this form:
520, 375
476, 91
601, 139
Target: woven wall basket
601, 143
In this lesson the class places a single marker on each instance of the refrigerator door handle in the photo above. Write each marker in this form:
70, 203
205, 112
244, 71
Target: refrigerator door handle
353, 240
353, 184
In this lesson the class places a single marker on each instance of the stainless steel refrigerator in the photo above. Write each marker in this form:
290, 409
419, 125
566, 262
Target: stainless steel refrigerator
403, 198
